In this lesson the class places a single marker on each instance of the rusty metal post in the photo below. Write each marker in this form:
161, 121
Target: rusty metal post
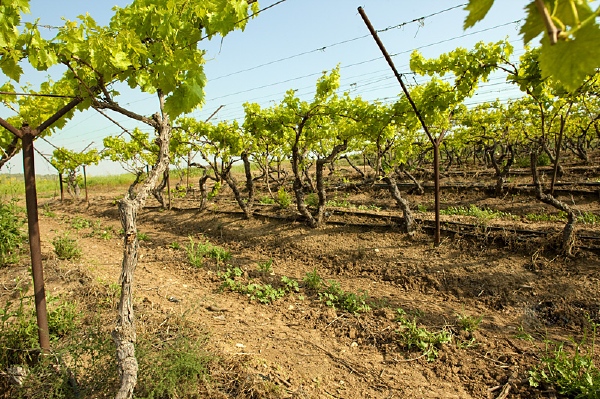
62, 192
34, 238
436, 185
85, 185
434, 141
168, 177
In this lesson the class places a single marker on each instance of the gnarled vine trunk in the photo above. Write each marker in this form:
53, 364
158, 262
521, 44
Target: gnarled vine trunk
10, 151
321, 162
124, 334
501, 172
403, 204
157, 192
568, 235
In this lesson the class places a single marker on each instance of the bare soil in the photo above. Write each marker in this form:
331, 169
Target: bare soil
304, 349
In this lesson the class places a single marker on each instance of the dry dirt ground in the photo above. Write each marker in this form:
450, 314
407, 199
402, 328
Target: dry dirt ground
302, 348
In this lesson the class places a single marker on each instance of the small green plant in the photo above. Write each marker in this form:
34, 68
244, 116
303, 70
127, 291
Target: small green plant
589, 218
522, 334
283, 198
468, 323
266, 267
66, 247
141, 236
219, 254
263, 293
46, 211
79, 223
371, 207
312, 200
339, 203
11, 234
412, 336
290, 284
335, 296
573, 373
215, 191
313, 280
100, 231
543, 160
175, 245
422, 208
197, 251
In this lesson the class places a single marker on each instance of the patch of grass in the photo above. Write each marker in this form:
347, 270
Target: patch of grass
283, 198
12, 236
421, 208
546, 217
65, 247
584, 217
110, 181
266, 200
19, 331
572, 373
411, 336
369, 208
13, 185
479, 213
174, 369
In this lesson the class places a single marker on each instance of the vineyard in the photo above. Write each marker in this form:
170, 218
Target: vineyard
321, 246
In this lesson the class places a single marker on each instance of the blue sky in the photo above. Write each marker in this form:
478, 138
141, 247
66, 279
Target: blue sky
288, 47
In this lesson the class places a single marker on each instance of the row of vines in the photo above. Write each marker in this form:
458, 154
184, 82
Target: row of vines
541, 128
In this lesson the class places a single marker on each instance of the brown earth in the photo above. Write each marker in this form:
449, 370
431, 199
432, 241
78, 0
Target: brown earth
302, 348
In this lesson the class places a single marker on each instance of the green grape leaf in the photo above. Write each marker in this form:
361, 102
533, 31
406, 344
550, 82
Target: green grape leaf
11, 68
534, 24
570, 61
477, 9
572, 12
